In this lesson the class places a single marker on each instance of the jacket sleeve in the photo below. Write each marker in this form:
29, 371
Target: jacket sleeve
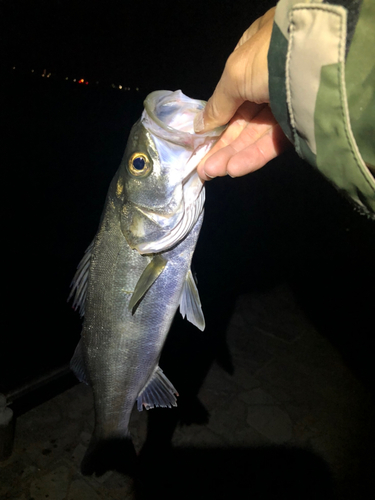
322, 89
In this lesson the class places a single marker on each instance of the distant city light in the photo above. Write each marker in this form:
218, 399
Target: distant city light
44, 74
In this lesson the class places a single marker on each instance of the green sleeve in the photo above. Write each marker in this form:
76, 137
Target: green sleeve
322, 90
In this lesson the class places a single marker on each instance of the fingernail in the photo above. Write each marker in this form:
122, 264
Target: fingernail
198, 122
208, 175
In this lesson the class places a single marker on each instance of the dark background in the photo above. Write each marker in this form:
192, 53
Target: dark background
63, 141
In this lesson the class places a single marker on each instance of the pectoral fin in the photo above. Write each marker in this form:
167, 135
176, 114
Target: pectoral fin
190, 304
149, 275
158, 391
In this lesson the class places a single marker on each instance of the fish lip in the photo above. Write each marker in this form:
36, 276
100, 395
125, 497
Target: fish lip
150, 110
156, 126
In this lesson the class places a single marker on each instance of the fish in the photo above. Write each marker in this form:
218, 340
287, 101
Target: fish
136, 273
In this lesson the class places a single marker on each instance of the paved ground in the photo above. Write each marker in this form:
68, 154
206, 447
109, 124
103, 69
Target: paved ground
291, 420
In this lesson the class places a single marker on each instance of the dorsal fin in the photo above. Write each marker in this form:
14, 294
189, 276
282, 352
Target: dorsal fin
158, 391
149, 275
79, 282
190, 304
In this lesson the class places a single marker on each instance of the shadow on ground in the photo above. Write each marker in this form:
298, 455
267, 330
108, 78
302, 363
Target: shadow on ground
259, 473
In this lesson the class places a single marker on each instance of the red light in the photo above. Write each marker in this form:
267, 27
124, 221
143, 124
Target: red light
86, 83
81, 80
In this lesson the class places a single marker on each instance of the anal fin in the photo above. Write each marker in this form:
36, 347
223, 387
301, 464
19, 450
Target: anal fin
158, 392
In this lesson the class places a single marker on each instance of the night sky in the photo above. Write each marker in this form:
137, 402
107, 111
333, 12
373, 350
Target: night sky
63, 141
146, 44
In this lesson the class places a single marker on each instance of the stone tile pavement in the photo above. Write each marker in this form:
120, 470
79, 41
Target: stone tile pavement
291, 421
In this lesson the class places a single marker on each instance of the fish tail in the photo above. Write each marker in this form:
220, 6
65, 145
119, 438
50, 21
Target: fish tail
110, 454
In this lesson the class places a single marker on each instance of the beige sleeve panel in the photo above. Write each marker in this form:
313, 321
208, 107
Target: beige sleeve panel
311, 27
283, 9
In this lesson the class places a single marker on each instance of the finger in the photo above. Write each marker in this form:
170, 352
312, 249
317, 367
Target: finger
258, 154
236, 163
245, 77
256, 26
246, 112
221, 106
225, 140
228, 96
201, 167
249, 123
216, 165
232, 91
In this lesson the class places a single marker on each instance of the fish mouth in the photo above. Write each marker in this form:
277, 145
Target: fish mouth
159, 118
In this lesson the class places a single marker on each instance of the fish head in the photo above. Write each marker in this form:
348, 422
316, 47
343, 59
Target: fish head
162, 194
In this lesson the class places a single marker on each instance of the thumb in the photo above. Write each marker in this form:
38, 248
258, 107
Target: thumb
219, 109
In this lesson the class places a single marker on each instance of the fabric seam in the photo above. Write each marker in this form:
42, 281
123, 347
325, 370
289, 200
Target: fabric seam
361, 166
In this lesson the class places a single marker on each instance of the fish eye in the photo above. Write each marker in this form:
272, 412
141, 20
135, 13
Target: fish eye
139, 165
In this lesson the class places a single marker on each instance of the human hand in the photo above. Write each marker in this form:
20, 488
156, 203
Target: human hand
253, 137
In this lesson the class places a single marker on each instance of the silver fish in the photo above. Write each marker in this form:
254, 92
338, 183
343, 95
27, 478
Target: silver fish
136, 272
